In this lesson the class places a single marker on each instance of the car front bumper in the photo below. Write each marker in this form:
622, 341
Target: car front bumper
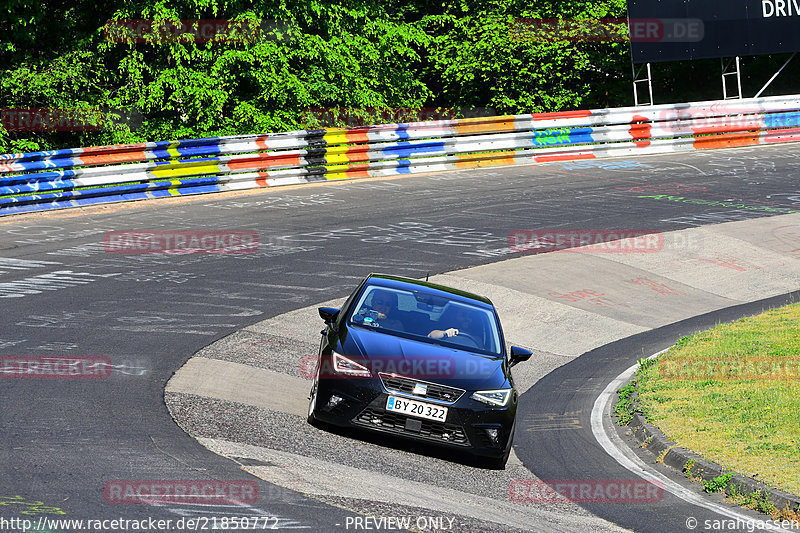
470, 425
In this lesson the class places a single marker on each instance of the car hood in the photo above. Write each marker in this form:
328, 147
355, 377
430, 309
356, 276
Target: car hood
383, 352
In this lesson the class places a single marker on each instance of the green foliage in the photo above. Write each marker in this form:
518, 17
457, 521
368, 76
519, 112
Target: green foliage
687, 468
478, 61
718, 484
760, 501
683, 341
342, 53
624, 406
644, 364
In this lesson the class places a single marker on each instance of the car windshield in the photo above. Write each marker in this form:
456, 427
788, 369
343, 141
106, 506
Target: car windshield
421, 315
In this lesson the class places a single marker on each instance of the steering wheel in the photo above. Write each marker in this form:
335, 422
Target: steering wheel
468, 336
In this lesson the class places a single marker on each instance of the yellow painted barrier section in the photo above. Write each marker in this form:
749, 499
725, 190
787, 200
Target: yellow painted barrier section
338, 136
180, 170
337, 159
485, 160
336, 172
499, 124
174, 190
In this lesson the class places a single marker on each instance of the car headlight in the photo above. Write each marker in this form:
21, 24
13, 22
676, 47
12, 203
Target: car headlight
494, 398
343, 365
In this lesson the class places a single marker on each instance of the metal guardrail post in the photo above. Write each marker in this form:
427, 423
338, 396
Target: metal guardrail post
726, 72
637, 80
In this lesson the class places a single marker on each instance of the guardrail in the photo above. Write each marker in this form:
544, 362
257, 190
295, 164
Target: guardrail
84, 176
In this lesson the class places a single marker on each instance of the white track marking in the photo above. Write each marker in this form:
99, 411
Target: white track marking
616, 448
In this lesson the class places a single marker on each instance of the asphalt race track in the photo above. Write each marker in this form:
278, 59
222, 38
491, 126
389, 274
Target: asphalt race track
572, 453
65, 294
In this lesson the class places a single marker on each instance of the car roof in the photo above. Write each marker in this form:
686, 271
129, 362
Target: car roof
399, 282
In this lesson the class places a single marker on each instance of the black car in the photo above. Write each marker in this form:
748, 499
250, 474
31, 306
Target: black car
421, 361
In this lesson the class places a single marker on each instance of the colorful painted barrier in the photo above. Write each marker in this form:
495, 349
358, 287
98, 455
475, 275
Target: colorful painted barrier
84, 176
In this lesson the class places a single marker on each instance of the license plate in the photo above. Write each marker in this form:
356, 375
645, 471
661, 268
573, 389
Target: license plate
415, 408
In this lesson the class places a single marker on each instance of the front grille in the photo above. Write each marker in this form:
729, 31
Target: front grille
396, 423
405, 386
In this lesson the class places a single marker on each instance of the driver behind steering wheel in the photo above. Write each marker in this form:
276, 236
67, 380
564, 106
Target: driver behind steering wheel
462, 321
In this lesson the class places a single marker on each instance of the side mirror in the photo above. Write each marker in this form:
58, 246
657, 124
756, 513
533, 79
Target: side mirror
519, 355
328, 314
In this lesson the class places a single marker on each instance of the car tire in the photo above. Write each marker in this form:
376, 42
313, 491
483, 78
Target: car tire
312, 405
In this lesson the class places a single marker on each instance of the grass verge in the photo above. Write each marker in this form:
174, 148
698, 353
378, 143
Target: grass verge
732, 394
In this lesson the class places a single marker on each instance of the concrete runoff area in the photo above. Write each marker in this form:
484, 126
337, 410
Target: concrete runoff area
559, 304
600, 286
241, 383
318, 476
723, 261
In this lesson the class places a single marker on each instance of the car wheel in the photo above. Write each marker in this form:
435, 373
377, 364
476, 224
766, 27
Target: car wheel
312, 404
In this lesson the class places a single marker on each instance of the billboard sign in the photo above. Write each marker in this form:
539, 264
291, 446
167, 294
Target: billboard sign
677, 30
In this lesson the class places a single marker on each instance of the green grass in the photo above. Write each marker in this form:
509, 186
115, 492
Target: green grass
732, 394
624, 406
